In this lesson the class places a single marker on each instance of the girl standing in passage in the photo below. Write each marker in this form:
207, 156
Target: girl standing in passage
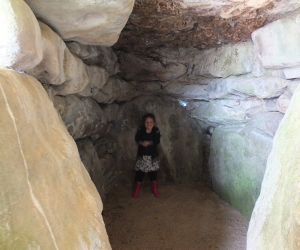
148, 137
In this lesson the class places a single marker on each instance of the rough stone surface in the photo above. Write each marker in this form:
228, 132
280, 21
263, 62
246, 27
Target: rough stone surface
236, 59
75, 73
202, 24
247, 86
82, 116
97, 78
51, 69
87, 22
225, 111
134, 67
101, 56
275, 222
90, 160
267, 122
180, 150
21, 46
115, 89
47, 198
237, 163
109, 170
276, 44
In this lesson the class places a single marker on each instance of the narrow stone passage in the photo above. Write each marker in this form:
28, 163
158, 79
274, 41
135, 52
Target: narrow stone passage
186, 216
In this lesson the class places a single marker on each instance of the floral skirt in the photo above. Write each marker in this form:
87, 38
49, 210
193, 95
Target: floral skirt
146, 163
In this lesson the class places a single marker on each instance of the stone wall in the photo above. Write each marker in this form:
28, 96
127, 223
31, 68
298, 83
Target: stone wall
218, 110
237, 92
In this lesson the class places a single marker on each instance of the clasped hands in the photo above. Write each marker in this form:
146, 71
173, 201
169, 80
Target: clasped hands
145, 143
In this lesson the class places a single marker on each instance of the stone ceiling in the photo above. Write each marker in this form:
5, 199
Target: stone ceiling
198, 23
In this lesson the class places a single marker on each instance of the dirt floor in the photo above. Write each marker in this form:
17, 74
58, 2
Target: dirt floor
188, 216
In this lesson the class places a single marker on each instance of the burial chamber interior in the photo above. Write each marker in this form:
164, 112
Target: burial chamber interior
218, 85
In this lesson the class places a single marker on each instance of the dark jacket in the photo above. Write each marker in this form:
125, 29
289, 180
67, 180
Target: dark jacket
153, 137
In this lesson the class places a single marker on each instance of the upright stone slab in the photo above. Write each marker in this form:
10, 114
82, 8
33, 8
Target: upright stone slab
237, 164
47, 200
275, 221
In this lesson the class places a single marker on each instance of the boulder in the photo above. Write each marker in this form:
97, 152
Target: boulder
90, 159
97, 78
51, 69
267, 122
87, 22
225, 111
259, 87
21, 45
275, 222
48, 200
115, 89
75, 74
237, 162
82, 116
101, 56
276, 44
228, 60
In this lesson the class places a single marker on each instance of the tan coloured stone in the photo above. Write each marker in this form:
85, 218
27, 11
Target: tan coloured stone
275, 221
21, 46
75, 73
51, 68
47, 198
87, 22
97, 78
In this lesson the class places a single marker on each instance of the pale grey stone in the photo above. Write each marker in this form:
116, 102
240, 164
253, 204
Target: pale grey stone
275, 221
276, 44
237, 162
190, 91
292, 73
225, 61
267, 122
260, 87
226, 111
283, 101
293, 85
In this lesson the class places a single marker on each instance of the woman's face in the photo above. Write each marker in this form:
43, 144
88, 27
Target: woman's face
149, 123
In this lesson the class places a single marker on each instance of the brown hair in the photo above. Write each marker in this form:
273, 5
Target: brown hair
148, 115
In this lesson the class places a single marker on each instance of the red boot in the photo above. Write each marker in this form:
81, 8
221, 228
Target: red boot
136, 190
154, 188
